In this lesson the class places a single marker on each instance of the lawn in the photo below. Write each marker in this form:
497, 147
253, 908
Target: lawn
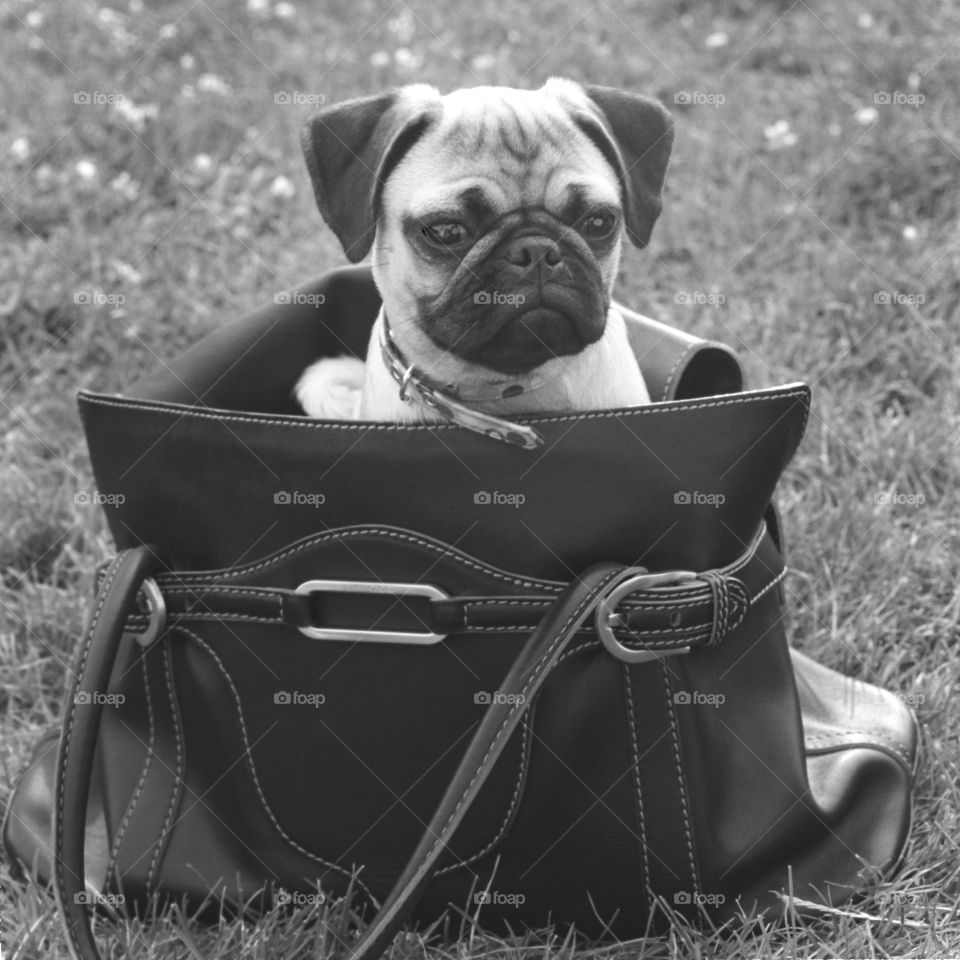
153, 188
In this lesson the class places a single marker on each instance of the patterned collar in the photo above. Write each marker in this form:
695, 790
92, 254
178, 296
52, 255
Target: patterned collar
444, 399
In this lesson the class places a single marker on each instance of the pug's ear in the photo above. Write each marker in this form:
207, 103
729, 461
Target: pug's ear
352, 147
638, 135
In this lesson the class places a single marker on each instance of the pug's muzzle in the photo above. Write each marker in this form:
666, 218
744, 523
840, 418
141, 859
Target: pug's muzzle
528, 291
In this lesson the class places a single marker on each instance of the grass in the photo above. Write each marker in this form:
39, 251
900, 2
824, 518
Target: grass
806, 225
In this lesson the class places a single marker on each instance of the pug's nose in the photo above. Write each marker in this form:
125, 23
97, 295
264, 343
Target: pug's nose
531, 251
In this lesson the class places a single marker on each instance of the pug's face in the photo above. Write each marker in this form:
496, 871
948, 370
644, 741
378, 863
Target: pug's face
495, 215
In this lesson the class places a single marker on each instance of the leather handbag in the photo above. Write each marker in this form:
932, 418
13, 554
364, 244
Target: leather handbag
415, 667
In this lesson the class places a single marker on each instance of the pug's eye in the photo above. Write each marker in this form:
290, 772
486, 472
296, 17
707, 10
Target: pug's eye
598, 226
447, 233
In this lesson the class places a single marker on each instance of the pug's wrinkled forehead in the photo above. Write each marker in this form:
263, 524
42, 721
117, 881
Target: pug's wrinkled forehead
492, 150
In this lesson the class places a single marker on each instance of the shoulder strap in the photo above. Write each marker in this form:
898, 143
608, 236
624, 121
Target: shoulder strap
536, 660
78, 740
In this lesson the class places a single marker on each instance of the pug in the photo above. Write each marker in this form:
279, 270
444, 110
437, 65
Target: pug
495, 220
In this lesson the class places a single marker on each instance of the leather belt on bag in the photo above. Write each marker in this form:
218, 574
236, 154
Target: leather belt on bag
650, 614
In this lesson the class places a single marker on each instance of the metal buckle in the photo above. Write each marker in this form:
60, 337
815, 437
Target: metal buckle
606, 616
158, 613
372, 587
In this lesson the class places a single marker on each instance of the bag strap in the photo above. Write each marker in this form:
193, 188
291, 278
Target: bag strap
118, 593
78, 740
536, 660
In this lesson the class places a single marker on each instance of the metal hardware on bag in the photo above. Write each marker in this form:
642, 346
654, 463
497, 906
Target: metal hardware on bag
607, 618
158, 613
372, 587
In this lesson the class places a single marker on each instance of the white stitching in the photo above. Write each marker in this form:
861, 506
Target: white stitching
681, 783
138, 790
687, 633
178, 618
443, 550
289, 420
887, 742
175, 791
110, 576
673, 372
521, 779
638, 786
770, 585
253, 770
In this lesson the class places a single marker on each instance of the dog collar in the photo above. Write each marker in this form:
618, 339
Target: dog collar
444, 399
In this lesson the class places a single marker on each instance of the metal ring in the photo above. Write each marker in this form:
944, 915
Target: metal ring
158, 613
